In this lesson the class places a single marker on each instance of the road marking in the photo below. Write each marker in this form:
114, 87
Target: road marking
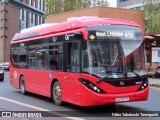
39, 108
2, 109
155, 88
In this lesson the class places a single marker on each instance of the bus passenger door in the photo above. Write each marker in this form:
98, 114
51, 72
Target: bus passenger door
72, 68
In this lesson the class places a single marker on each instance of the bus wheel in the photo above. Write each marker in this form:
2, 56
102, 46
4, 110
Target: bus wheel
22, 85
57, 93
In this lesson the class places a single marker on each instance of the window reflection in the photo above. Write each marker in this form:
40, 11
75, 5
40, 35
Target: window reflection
55, 56
41, 59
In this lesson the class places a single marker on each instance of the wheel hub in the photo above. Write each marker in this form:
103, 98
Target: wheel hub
57, 92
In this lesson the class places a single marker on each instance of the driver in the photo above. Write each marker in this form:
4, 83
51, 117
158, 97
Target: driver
94, 61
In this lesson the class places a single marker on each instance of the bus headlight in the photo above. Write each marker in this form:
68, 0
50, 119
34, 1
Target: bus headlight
91, 86
1, 72
144, 85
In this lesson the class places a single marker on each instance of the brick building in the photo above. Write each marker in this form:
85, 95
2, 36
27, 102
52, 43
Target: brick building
16, 15
104, 12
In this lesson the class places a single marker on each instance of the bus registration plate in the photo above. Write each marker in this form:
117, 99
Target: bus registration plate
122, 99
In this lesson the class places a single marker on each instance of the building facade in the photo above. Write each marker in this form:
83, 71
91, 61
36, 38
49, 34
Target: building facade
103, 12
16, 15
97, 2
130, 4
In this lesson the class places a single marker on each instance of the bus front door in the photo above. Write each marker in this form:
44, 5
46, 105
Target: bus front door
72, 64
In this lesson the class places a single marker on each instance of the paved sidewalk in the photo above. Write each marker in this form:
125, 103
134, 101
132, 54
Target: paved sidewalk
154, 82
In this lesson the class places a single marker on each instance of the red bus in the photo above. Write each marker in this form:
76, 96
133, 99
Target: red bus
87, 61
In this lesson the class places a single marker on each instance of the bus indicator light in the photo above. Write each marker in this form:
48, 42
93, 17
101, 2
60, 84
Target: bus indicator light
15, 74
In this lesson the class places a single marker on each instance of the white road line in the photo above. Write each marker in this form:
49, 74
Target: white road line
2, 109
23, 104
155, 88
39, 108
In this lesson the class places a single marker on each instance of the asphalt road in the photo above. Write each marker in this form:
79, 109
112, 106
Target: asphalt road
12, 100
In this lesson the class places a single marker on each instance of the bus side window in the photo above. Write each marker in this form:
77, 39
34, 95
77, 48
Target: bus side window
73, 57
41, 59
55, 59
23, 63
32, 60
53, 63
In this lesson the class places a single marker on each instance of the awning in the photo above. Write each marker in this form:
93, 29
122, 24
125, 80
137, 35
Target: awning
152, 39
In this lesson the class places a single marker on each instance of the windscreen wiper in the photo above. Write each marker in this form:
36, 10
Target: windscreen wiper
138, 76
98, 81
125, 74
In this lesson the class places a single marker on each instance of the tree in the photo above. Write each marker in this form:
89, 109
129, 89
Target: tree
152, 15
60, 6
53, 6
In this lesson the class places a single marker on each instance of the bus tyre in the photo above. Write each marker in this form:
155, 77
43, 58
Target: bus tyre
2, 79
22, 85
57, 93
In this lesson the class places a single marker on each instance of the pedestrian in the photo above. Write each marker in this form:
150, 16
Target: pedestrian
156, 72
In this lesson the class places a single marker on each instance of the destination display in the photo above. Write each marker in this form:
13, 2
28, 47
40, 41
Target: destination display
124, 34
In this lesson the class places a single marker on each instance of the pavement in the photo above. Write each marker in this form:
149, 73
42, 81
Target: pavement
154, 82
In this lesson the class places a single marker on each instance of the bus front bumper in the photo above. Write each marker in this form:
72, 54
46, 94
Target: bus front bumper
92, 99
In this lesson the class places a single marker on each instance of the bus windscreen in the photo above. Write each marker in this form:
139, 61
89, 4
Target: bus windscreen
110, 51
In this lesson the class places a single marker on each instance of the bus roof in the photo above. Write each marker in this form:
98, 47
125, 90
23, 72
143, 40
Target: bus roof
72, 24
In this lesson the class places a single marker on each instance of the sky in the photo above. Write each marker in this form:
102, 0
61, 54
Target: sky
113, 3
